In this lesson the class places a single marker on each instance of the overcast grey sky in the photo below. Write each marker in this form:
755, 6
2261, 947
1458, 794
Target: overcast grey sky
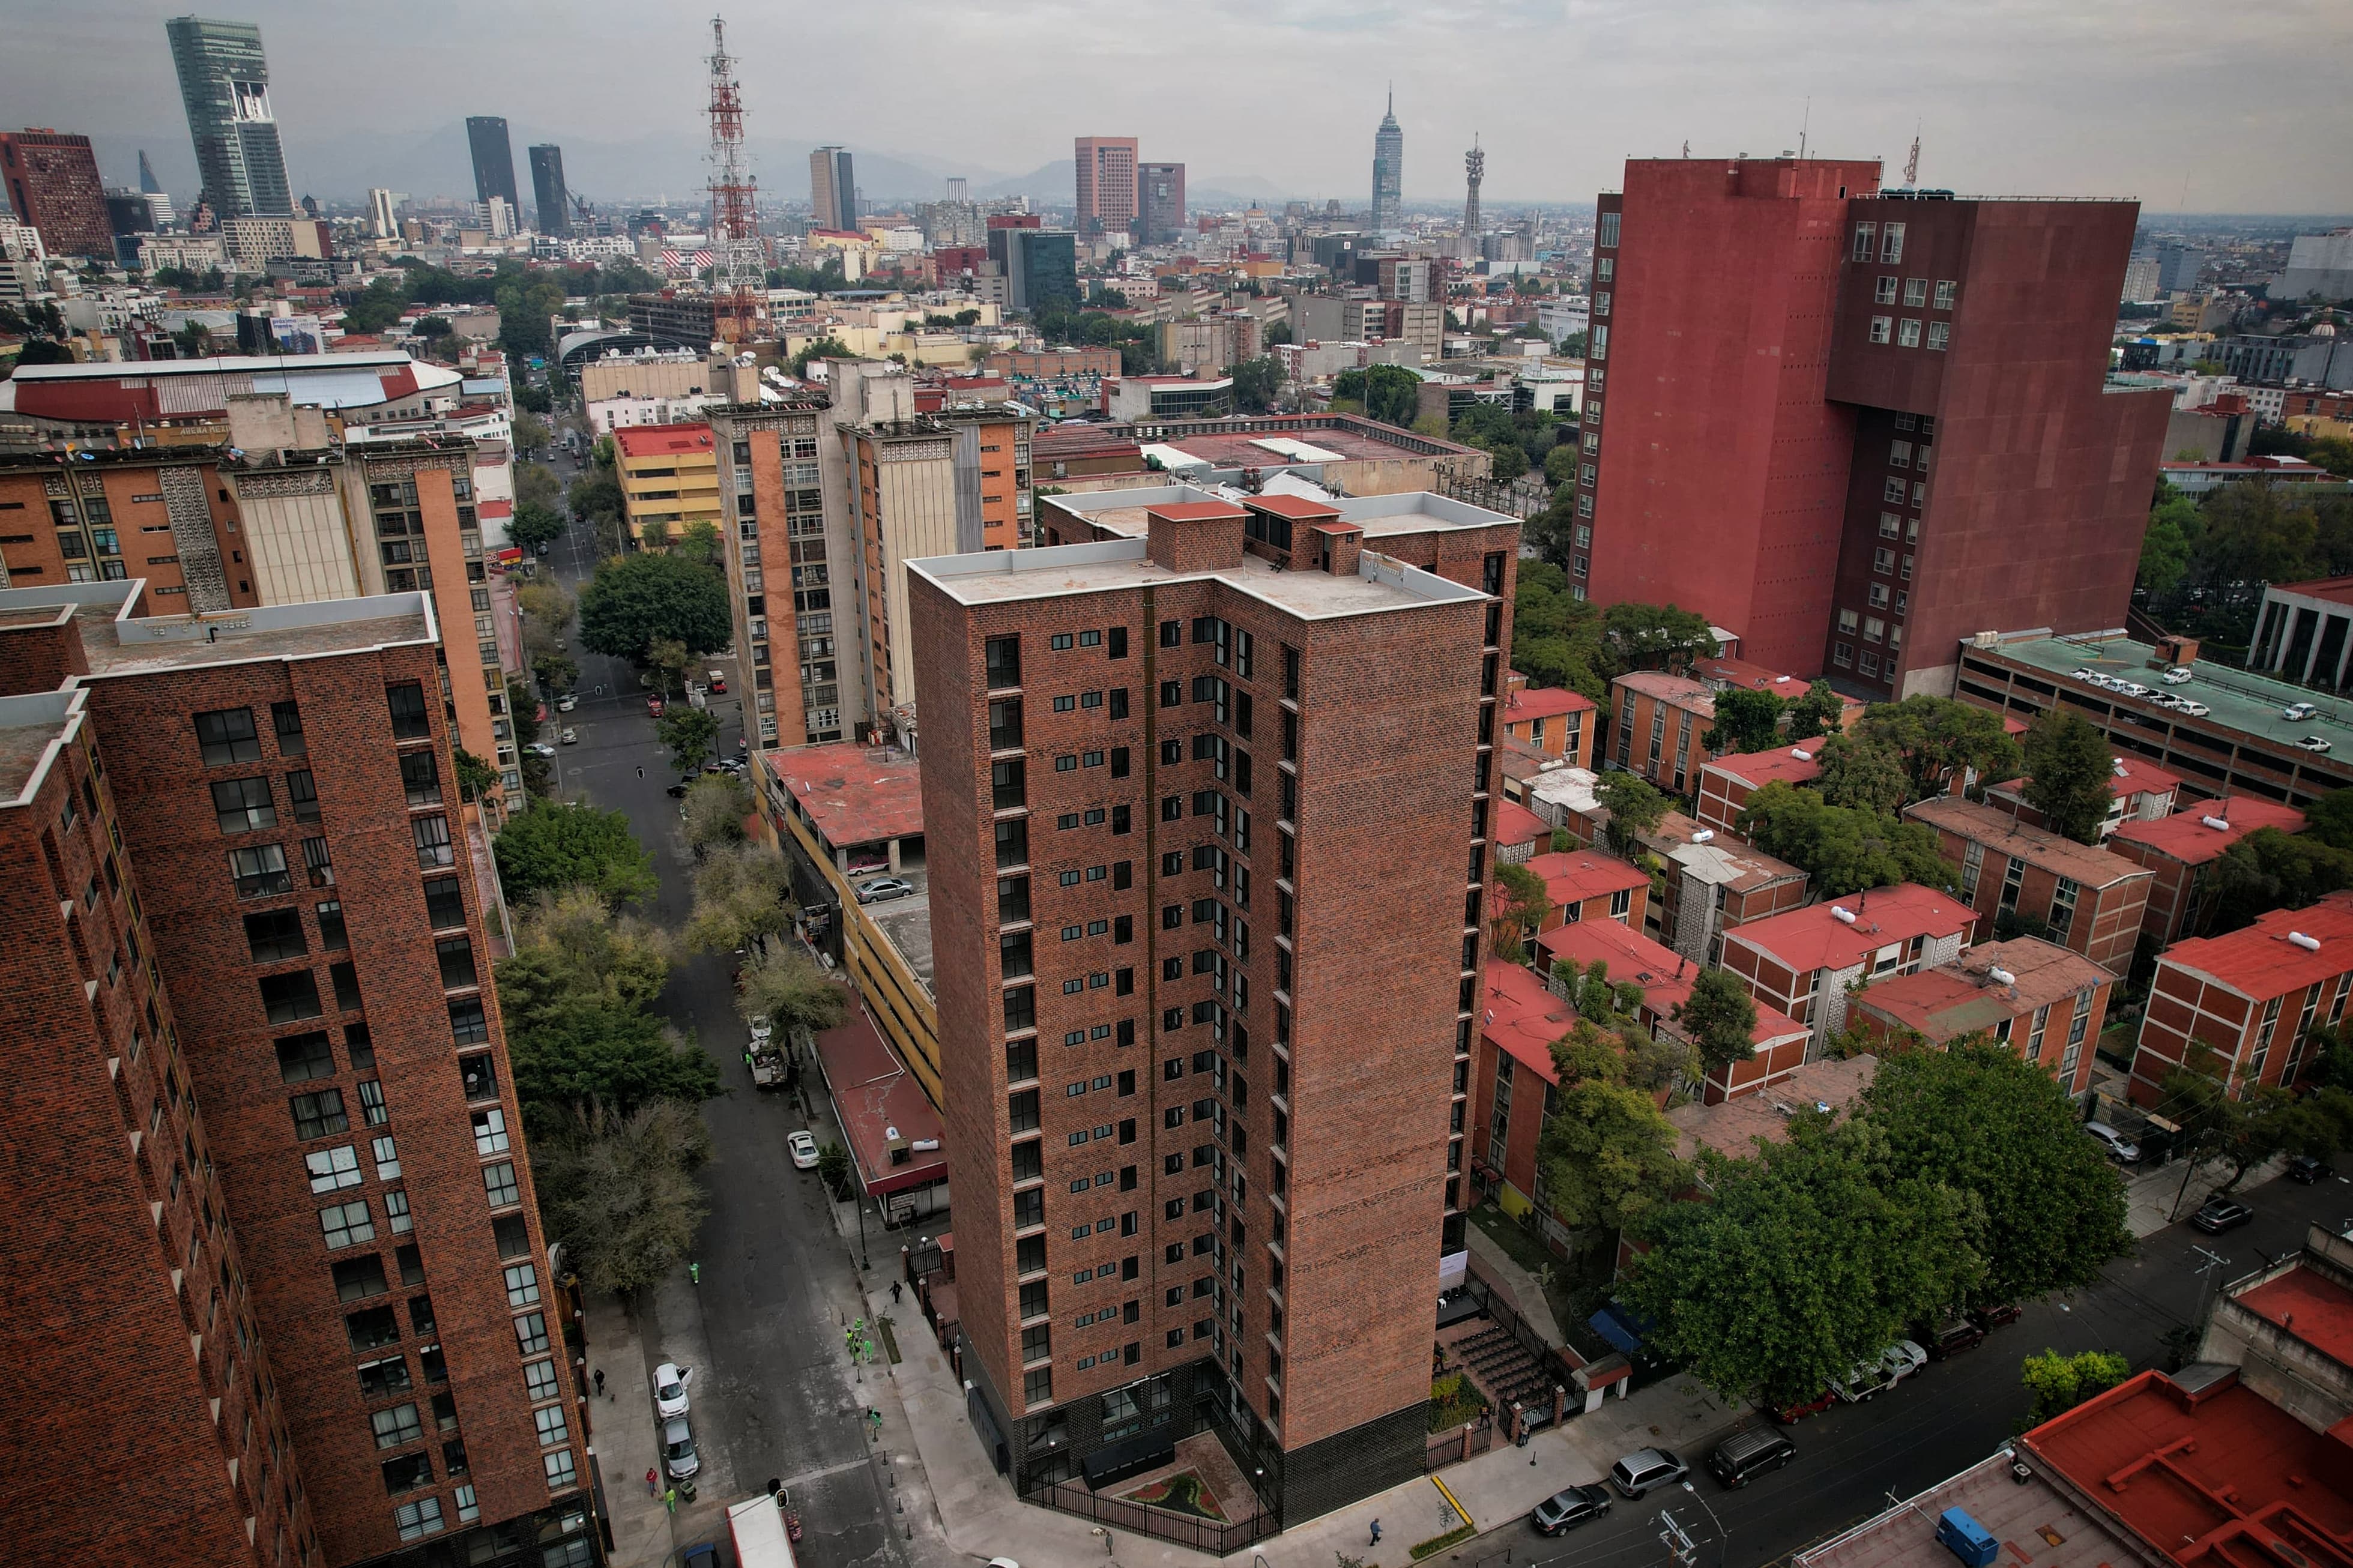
2243, 112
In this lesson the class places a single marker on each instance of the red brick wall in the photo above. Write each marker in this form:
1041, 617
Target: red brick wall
181, 858
124, 1286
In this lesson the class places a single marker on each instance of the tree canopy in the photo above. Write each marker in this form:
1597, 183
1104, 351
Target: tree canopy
580, 1052
556, 846
742, 895
1720, 1017
1607, 1153
2069, 763
1746, 719
1256, 383
1636, 807
792, 992
2269, 869
1866, 775
1388, 393
618, 1191
1844, 849
635, 599
689, 733
1938, 738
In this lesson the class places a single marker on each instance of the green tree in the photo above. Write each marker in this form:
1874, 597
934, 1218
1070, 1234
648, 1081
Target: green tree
1649, 636
619, 1192
716, 805
2060, 1383
1608, 1154
570, 946
581, 1053
535, 484
1560, 464
2269, 869
833, 1169
2069, 765
1746, 719
1819, 711
2047, 1210
1507, 462
699, 541
552, 846
1844, 849
689, 733
792, 994
1720, 1018
1866, 775
1256, 383
1939, 738
1635, 807
1557, 637
1388, 393
743, 895
595, 495
530, 433
2173, 526
476, 778
820, 348
1521, 905
632, 601
1807, 1259
534, 525
2330, 819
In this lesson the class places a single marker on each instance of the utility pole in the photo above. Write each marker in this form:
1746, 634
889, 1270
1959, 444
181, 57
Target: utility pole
2211, 1271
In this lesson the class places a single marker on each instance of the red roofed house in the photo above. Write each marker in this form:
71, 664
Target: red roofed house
1725, 783
2092, 900
1778, 1041
2181, 851
1513, 1081
2250, 997
1518, 833
1552, 719
1802, 963
1660, 719
1714, 883
1587, 885
2046, 1002
2140, 791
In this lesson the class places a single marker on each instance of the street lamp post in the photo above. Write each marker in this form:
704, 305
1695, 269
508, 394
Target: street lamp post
1722, 1540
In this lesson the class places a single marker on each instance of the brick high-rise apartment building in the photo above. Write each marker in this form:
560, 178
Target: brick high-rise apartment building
52, 182
1207, 801
270, 1239
1107, 190
1857, 426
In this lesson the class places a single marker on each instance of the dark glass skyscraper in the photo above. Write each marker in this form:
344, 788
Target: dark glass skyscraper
1389, 169
548, 189
486, 135
224, 86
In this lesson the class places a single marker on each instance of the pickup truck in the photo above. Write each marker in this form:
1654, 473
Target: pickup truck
1871, 1378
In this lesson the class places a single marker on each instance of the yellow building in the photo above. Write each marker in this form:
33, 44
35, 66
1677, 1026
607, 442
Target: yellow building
670, 478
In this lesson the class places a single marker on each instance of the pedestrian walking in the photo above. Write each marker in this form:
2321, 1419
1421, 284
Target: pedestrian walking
894, 1292
1376, 1532
653, 1485
600, 1382
670, 1500
694, 1273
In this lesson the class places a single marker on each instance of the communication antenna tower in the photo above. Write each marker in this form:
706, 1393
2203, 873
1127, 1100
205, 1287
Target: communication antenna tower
1912, 164
739, 264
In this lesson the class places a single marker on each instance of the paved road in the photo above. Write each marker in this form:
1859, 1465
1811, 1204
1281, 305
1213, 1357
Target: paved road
1854, 1461
774, 1396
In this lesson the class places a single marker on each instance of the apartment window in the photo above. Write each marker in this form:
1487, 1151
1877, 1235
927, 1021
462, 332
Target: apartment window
421, 777
387, 1158
1891, 244
332, 937
348, 1224
2063, 906
1878, 595
1884, 294
1946, 288
1604, 232
1863, 235
1870, 665
286, 998
1883, 560
1873, 628
319, 1115
260, 871
332, 1170
303, 1057
490, 1132
1597, 347
1916, 292
1003, 656
455, 954
418, 1520
1881, 327
396, 1425
522, 1284
286, 718
1842, 655
226, 735
273, 934
498, 1184
467, 1026
240, 806
303, 790
431, 834
357, 1279
1940, 335
411, 720
1908, 334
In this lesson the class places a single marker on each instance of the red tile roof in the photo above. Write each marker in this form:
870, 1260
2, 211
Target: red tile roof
1582, 874
1198, 511
1665, 975
2129, 776
1955, 998
1522, 1018
1516, 824
2315, 1309
2337, 590
1298, 507
1787, 765
659, 440
2185, 836
1755, 676
853, 794
2260, 961
2038, 847
1814, 938
1543, 702
876, 1096
2209, 1480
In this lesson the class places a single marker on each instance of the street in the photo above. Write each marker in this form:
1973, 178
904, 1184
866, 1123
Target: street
773, 1395
1855, 1460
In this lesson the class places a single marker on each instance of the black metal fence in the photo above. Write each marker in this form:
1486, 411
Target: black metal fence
1444, 1448
1163, 1524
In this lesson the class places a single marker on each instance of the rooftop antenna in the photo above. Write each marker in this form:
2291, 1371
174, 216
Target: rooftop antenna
740, 264
1805, 124
1912, 164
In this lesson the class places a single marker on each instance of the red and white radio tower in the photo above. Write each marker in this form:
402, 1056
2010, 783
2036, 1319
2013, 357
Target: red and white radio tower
739, 265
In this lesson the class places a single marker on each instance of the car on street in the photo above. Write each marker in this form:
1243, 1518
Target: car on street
1569, 1508
676, 791
2305, 1169
2219, 1214
1871, 1378
2179, 675
719, 683
654, 706
803, 1145
678, 1459
704, 1554
2119, 1147
2311, 744
882, 887
2082, 675
567, 702
2195, 709
1949, 1338
1646, 1470
1997, 1317
543, 550
1745, 1455
761, 1031
1789, 1414
2298, 710
570, 737
2133, 688
540, 749
670, 1390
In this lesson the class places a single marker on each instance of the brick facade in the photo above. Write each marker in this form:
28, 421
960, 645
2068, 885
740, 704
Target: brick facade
2092, 902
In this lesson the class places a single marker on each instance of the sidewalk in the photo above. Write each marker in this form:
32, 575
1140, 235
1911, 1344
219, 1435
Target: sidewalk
2149, 1195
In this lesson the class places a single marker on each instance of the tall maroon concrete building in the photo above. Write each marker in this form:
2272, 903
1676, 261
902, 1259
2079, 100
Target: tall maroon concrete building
52, 182
1207, 801
1857, 426
275, 1286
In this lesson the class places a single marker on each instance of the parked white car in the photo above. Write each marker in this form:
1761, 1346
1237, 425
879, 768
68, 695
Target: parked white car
2179, 675
670, 1390
803, 1145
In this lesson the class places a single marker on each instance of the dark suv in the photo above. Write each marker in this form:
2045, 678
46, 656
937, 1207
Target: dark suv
1746, 1454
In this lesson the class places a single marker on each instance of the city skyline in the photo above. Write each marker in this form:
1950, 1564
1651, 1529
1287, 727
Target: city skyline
2023, 101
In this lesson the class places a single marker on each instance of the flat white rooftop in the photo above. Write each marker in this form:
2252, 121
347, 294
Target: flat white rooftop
999, 576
